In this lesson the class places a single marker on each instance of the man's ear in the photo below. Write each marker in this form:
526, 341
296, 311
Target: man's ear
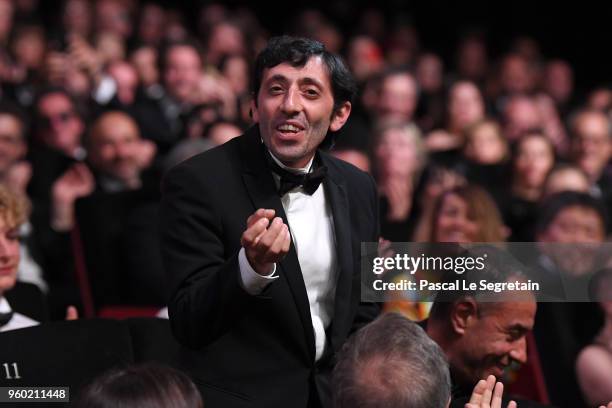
463, 314
253, 111
340, 116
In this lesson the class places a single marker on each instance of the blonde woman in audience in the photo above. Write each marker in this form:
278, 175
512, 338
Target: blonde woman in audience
14, 211
400, 158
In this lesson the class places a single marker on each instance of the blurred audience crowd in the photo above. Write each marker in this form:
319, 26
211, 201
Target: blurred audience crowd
95, 107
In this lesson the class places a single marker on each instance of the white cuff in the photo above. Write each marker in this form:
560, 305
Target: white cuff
252, 282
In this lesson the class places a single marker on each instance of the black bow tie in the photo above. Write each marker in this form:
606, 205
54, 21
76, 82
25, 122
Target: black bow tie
5, 318
310, 182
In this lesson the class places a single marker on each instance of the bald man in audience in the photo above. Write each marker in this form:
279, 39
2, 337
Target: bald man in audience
118, 219
117, 156
117, 153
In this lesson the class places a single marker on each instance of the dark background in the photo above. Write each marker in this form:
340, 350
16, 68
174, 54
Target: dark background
578, 31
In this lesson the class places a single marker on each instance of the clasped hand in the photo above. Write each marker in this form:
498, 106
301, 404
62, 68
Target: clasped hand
266, 240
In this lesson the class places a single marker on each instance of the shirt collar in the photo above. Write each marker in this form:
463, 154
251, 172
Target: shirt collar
301, 170
5, 307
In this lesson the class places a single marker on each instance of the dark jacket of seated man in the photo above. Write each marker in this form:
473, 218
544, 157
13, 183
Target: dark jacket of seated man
26, 307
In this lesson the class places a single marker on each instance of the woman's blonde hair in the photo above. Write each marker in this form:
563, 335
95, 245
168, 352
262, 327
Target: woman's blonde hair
14, 207
413, 133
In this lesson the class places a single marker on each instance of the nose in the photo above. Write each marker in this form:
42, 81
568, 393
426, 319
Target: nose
121, 150
4, 248
519, 351
291, 103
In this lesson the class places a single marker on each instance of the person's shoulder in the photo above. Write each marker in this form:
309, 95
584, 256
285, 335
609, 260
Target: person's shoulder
345, 170
360, 186
28, 299
215, 161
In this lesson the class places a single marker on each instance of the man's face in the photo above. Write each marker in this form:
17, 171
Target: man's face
494, 339
143, 61
12, 145
521, 114
398, 98
591, 146
295, 109
465, 105
60, 126
580, 230
575, 224
9, 255
516, 77
113, 147
182, 72
126, 78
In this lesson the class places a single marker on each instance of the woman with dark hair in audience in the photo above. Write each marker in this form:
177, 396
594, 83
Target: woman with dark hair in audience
467, 214
487, 156
462, 214
464, 107
534, 157
143, 386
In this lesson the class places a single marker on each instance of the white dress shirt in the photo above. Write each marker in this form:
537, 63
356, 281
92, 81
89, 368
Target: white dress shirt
312, 231
18, 321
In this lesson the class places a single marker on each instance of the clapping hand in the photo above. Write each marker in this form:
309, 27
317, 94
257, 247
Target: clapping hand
488, 394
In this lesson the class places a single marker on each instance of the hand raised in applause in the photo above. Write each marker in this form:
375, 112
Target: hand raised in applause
75, 183
488, 394
266, 240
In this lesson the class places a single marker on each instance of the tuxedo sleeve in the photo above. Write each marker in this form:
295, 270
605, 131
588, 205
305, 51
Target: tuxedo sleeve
206, 295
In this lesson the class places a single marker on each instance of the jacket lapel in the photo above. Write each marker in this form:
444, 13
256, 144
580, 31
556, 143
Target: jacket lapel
263, 193
337, 194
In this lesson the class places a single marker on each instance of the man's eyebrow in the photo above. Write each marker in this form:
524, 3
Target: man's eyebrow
519, 327
311, 81
277, 78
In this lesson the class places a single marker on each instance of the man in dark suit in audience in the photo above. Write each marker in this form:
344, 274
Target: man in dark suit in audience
261, 240
118, 221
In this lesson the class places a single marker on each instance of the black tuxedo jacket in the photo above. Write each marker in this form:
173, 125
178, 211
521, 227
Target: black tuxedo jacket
28, 299
256, 351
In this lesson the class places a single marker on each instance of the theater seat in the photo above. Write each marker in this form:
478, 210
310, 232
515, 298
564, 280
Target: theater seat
115, 246
152, 341
65, 353
123, 312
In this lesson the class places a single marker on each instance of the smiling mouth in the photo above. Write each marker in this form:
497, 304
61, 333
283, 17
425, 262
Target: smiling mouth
286, 128
6, 270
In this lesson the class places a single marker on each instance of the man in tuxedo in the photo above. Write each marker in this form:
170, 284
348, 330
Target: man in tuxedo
261, 240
